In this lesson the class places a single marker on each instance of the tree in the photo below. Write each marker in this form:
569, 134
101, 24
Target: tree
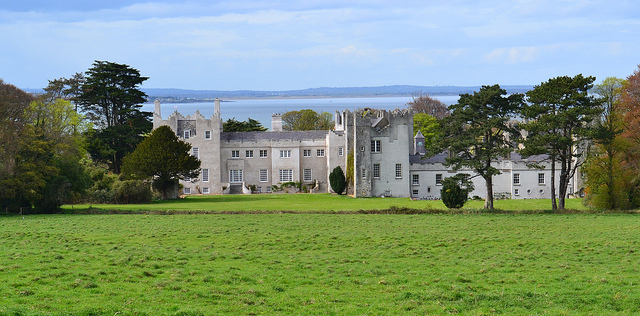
337, 180
306, 120
430, 128
112, 101
62, 127
162, 158
560, 114
607, 174
13, 103
250, 125
476, 132
630, 107
423, 103
65, 88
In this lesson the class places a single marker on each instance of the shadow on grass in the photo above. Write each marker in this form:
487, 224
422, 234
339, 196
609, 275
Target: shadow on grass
213, 199
389, 211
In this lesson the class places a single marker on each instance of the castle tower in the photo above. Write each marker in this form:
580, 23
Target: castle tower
418, 144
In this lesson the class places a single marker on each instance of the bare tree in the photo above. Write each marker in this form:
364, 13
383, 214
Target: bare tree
423, 103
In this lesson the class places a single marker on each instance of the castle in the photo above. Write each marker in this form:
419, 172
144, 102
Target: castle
389, 160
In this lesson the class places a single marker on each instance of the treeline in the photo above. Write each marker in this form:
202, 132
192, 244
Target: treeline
68, 144
587, 132
86, 138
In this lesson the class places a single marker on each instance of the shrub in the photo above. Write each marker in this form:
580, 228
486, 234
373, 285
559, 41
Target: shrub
337, 180
131, 191
453, 194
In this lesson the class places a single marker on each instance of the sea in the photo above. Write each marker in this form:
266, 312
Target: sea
262, 109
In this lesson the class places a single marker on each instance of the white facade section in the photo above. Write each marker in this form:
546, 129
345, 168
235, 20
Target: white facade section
388, 159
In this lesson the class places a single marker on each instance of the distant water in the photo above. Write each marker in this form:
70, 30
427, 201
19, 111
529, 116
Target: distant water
262, 109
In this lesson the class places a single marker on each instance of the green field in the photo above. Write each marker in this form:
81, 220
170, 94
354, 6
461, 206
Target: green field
312, 202
320, 264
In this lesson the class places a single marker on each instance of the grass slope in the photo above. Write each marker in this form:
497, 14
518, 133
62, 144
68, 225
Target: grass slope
319, 264
312, 202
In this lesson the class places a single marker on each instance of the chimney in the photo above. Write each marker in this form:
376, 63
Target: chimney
156, 110
216, 107
276, 122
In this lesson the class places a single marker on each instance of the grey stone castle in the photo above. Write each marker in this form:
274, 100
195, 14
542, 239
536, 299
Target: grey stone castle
389, 160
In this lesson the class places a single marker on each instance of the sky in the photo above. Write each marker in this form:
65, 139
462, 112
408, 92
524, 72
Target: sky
288, 45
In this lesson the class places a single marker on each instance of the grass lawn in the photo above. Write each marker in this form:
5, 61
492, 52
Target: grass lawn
319, 264
313, 202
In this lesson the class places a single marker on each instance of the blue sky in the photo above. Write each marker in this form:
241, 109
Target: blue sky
282, 45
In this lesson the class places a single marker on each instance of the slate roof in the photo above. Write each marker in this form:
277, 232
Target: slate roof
439, 158
292, 135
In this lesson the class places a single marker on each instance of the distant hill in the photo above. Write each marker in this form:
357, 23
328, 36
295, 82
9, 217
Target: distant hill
182, 95
185, 95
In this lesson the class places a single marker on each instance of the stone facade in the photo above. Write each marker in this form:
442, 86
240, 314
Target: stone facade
388, 159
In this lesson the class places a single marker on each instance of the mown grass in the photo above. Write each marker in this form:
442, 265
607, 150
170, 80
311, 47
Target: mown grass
312, 202
320, 264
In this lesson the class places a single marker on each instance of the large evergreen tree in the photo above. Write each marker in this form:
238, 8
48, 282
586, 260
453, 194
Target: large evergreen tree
112, 100
250, 125
476, 133
560, 116
163, 159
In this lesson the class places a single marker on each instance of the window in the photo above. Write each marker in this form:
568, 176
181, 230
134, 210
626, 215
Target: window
398, 171
285, 154
205, 175
264, 175
540, 178
286, 175
306, 153
186, 190
438, 179
363, 173
207, 134
248, 153
259, 189
268, 189
376, 146
320, 152
205, 190
414, 192
516, 192
235, 154
187, 134
235, 176
415, 179
340, 151
263, 153
195, 152
187, 179
516, 178
376, 171
307, 175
